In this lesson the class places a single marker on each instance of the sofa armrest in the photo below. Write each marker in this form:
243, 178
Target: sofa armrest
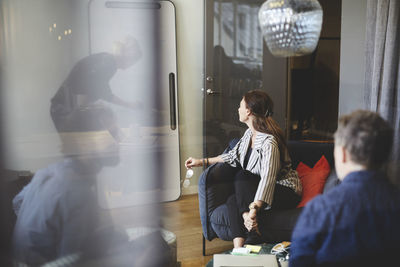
215, 186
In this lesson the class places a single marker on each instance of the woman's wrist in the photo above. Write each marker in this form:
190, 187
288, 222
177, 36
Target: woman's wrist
254, 205
205, 162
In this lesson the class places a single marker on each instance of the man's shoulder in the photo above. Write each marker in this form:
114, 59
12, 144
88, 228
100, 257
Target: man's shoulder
44, 174
321, 201
59, 173
99, 56
370, 181
106, 59
327, 203
96, 61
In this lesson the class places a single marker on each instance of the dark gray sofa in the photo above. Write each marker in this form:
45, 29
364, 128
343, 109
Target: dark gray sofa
277, 226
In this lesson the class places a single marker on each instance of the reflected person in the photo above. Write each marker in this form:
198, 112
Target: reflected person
57, 212
88, 82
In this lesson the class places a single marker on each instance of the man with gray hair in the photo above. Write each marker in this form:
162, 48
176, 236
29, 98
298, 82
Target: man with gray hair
357, 222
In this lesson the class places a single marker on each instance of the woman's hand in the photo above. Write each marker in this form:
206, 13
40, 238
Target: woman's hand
192, 162
250, 221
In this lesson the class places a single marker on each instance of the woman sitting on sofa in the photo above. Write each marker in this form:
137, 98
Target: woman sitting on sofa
264, 178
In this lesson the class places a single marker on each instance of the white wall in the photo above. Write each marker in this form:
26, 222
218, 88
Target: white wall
189, 23
38, 55
352, 56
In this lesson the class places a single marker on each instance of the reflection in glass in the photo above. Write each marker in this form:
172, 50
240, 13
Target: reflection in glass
75, 116
237, 68
291, 28
57, 212
314, 82
88, 82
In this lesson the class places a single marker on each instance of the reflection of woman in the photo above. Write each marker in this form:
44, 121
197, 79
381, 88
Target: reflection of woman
263, 176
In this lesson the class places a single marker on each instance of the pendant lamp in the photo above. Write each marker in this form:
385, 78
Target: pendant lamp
291, 27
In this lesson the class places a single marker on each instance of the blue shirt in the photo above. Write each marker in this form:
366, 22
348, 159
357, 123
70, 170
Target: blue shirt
357, 222
56, 213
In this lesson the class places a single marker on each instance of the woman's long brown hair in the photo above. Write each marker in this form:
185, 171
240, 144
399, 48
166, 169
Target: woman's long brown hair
261, 106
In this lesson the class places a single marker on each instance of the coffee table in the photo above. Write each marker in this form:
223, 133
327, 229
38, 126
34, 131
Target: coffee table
265, 249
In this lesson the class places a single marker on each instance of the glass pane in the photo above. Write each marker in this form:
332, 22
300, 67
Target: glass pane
85, 115
237, 68
314, 81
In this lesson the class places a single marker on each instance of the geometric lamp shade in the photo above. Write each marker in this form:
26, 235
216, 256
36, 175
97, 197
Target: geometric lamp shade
291, 27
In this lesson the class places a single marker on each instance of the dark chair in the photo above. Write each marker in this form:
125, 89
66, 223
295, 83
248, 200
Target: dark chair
215, 187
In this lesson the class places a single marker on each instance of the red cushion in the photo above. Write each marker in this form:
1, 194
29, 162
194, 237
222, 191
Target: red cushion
312, 179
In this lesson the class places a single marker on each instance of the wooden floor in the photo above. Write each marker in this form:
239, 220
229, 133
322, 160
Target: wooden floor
182, 218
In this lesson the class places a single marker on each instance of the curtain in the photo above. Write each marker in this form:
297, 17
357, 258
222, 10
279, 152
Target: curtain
382, 77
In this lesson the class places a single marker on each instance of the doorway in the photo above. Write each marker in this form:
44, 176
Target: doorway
233, 66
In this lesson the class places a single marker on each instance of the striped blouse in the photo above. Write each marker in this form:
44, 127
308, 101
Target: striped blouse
264, 161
